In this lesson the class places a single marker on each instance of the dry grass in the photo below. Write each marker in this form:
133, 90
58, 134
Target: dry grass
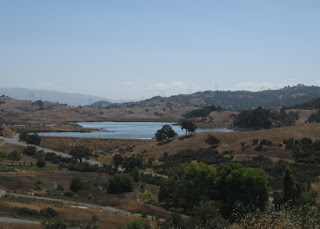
229, 141
66, 212
22, 111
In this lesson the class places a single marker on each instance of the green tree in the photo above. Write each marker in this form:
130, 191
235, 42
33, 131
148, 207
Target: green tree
76, 183
80, 152
41, 163
239, 187
120, 183
135, 174
166, 132
30, 150
187, 186
288, 186
174, 221
212, 140
206, 215
117, 160
189, 126
32, 138
130, 163
3, 156
137, 224
13, 156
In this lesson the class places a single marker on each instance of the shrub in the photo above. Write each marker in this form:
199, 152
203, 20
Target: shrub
30, 150
120, 183
41, 163
48, 212
76, 183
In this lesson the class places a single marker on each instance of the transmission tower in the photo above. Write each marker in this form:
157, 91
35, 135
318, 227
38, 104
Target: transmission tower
163, 93
89, 101
31, 96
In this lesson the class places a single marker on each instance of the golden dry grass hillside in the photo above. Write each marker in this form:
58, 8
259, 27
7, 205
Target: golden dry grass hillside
240, 143
14, 111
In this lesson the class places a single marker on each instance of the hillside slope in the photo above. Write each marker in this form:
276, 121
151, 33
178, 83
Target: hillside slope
238, 100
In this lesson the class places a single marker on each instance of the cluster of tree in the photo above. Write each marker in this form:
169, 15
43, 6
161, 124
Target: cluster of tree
213, 141
30, 138
127, 163
313, 104
208, 156
314, 117
12, 156
57, 159
80, 152
202, 112
304, 150
260, 118
165, 133
46, 212
232, 187
120, 183
293, 193
189, 126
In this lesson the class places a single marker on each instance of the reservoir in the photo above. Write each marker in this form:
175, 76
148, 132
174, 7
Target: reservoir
136, 130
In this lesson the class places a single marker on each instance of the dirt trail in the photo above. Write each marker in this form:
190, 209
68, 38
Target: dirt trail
17, 221
106, 209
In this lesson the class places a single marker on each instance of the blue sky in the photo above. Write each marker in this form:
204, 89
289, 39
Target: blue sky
132, 49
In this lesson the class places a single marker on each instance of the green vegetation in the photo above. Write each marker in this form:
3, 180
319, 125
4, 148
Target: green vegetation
189, 126
30, 150
313, 104
208, 156
76, 183
202, 112
260, 118
13, 156
314, 117
120, 183
80, 152
3, 156
30, 138
165, 133
213, 141
232, 185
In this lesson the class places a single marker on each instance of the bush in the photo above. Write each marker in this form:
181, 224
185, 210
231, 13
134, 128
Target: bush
68, 193
76, 183
41, 163
48, 212
120, 183
30, 150
33, 138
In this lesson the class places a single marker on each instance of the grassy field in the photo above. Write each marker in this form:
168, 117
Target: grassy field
106, 148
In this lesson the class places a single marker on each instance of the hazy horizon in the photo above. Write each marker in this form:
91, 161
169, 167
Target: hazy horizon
134, 50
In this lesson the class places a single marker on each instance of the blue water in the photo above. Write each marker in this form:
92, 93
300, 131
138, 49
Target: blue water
137, 130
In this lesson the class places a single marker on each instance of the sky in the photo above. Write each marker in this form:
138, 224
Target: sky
132, 49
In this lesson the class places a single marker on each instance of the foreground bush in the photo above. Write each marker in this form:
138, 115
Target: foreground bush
120, 183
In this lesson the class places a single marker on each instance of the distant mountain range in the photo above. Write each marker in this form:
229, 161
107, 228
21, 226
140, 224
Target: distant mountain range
72, 99
236, 100
230, 100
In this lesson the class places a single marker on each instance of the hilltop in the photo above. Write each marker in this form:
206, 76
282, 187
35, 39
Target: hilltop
14, 111
234, 100
72, 99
